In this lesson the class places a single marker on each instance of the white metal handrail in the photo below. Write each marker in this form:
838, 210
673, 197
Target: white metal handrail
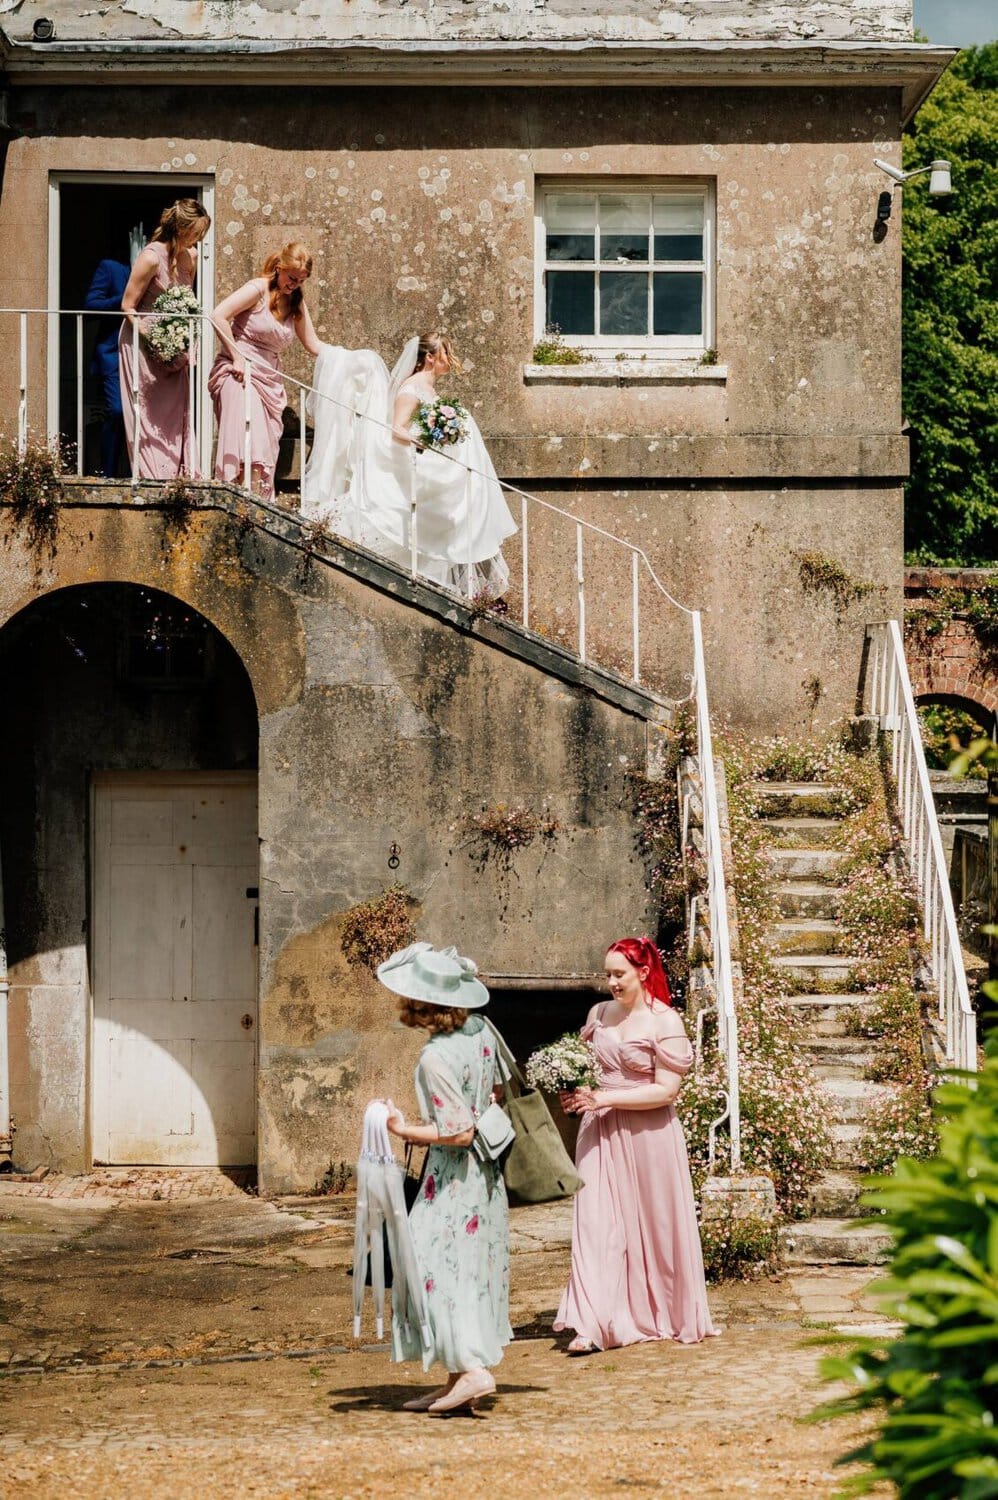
727, 1019
640, 566
890, 698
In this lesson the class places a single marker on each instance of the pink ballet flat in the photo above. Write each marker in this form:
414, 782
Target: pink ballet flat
467, 1391
583, 1346
423, 1403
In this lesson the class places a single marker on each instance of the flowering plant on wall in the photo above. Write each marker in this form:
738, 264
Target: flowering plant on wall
169, 332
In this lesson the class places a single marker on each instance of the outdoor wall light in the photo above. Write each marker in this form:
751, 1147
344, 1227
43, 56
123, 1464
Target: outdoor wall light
940, 183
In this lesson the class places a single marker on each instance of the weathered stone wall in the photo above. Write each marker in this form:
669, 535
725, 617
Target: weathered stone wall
303, 20
381, 724
724, 474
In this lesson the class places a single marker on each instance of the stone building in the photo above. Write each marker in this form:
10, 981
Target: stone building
688, 192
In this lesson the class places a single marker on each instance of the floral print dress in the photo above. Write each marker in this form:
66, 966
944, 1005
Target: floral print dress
459, 1222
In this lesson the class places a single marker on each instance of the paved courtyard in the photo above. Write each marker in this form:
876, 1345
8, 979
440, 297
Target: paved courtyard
197, 1344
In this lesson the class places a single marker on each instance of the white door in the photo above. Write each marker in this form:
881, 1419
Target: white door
175, 972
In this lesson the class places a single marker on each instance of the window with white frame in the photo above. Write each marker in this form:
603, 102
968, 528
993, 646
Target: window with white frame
628, 267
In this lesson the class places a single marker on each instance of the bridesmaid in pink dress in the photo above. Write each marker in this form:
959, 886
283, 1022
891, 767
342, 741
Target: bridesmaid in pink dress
637, 1267
165, 448
257, 323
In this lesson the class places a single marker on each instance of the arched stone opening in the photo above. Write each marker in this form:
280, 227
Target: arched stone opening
130, 853
981, 715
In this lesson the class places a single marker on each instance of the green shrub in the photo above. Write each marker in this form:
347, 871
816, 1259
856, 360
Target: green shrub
933, 1389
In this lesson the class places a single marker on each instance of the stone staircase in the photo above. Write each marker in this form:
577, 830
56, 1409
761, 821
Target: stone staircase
807, 943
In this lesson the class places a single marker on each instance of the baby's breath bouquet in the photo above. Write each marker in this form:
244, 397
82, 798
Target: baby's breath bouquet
441, 423
561, 1066
169, 334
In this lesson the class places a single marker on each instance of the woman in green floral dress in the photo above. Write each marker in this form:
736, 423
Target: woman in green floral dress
459, 1222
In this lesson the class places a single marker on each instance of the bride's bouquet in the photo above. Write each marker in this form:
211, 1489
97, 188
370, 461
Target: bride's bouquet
441, 423
569, 1063
169, 334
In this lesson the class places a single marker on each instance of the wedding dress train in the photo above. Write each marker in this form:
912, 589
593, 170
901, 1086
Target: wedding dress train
360, 481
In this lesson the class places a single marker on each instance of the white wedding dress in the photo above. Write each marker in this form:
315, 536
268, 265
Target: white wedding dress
359, 481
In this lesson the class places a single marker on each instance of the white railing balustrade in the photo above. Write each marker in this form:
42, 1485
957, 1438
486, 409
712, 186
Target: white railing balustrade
724, 991
890, 699
531, 507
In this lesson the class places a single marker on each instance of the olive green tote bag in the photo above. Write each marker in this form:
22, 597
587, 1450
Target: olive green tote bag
537, 1168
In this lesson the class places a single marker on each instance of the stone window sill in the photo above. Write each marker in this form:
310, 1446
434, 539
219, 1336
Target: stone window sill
624, 372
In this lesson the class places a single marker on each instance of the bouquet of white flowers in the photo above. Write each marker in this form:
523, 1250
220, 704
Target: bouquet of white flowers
563, 1065
441, 423
169, 334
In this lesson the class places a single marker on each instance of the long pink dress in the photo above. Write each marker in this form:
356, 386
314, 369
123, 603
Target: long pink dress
165, 447
637, 1267
261, 336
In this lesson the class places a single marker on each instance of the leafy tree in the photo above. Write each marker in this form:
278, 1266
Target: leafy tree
950, 319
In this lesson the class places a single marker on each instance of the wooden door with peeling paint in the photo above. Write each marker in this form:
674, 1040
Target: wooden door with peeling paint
175, 874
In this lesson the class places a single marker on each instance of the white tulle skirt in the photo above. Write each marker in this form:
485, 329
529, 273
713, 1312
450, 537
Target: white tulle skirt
361, 483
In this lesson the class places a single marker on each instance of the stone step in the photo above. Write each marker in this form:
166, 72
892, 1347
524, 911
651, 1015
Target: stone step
795, 799
839, 1051
805, 864
852, 1098
810, 973
801, 833
823, 1015
839, 1056
828, 1071
827, 1242
799, 935
836, 1196
845, 1147
808, 898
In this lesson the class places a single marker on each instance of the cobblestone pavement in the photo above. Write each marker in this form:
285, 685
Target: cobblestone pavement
159, 1185
200, 1348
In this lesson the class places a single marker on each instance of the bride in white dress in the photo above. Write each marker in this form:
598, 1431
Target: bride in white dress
364, 472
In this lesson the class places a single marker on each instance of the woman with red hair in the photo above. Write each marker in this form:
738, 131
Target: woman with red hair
637, 1267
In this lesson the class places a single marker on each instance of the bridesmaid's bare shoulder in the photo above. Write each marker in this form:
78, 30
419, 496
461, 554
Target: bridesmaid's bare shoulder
669, 1025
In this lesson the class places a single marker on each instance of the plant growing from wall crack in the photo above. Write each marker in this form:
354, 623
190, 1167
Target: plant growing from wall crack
31, 484
508, 828
823, 575
375, 929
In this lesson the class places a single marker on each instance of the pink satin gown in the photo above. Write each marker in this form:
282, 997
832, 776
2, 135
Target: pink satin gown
263, 338
637, 1267
165, 447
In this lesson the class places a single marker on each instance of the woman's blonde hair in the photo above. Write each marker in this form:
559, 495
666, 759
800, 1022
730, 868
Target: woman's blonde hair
440, 1019
431, 343
184, 215
294, 257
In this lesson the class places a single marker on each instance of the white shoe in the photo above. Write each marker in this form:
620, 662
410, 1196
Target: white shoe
423, 1403
472, 1386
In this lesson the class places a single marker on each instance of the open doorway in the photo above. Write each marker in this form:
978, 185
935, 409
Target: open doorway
97, 218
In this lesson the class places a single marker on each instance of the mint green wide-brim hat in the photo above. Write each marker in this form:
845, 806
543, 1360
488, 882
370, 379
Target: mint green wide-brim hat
436, 976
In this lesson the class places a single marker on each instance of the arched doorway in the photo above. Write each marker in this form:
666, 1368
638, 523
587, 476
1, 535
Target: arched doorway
129, 837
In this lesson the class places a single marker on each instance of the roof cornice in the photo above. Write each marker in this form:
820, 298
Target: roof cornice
911, 66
